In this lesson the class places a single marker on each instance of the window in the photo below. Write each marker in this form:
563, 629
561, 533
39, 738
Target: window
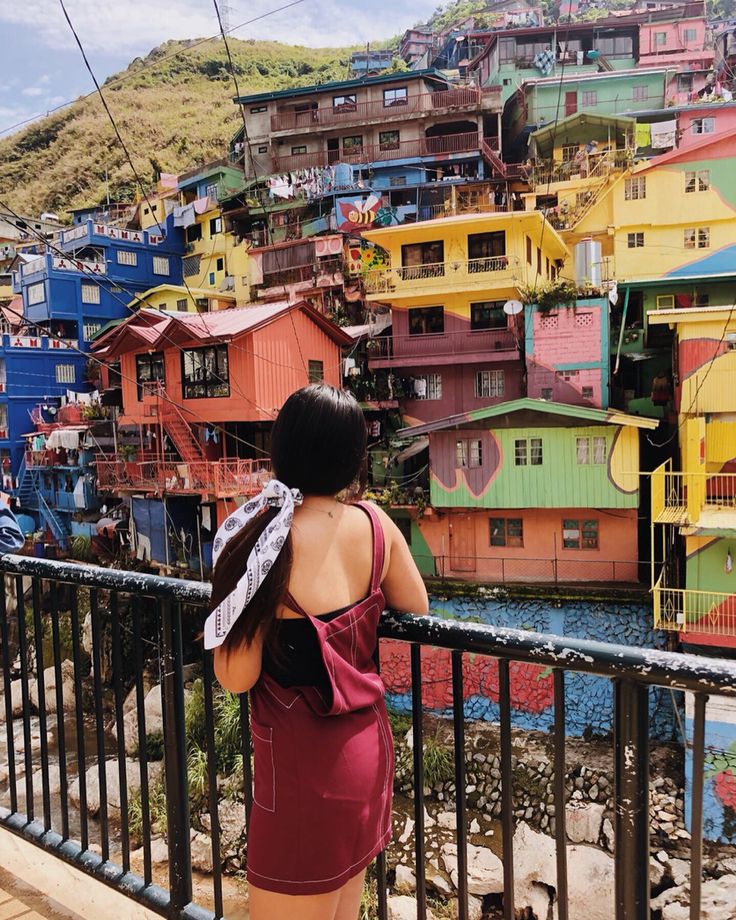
90, 330
353, 144
697, 181
600, 450
211, 191
489, 384
263, 148
220, 265
388, 140
582, 450
422, 260
635, 240
635, 189
316, 371
149, 370
469, 453
506, 531
181, 305
428, 387
487, 314
347, 103
691, 35
701, 300
546, 392
90, 293
697, 238
528, 451
641, 93
395, 181
205, 372
590, 97
660, 39
36, 293
486, 251
194, 233
665, 301
65, 373
587, 392
591, 450
684, 82
569, 152
703, 125
215, 225
529, 250
300, 148
426, 320
257, 109
126, 257
398, 96
160, 265
577, 534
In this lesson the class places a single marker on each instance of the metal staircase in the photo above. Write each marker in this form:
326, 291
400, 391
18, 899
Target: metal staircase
179, 430
26, 492
492, 158
30, 497
58, 524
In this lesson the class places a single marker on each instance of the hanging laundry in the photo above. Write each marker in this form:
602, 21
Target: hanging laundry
643, 135
664, 134
79, 499
202, 205
420, 388
544, 61
348, 365
184, 216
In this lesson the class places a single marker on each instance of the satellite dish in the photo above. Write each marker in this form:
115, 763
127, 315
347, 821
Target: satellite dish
513, 307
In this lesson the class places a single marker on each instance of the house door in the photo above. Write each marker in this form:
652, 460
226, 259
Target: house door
462, 543
333, 149
571, 103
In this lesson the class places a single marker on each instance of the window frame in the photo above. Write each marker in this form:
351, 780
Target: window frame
84, 291
491, 380
429, 316
130, 257
213, 380
298, 149
583, 526
589, 97
635, 188
355, 145
635, 240
398, 100
149, 359
393, 144
349, 102
477, 323
503, 536
468, 453
433, 386
315, 370
704, 125
69, 377
158, 264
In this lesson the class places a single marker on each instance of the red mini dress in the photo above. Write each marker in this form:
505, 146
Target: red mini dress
323, 761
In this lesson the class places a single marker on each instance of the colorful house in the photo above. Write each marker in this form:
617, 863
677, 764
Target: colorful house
199, 396
532, 490
453, 344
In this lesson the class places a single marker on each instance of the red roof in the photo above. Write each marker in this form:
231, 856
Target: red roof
13, 312
159, 329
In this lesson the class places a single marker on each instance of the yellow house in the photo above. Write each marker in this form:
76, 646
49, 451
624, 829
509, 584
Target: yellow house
700, 499
182, 299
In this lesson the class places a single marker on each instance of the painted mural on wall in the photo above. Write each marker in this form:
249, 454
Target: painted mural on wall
719, 791
363, 212
362, 256
589, 699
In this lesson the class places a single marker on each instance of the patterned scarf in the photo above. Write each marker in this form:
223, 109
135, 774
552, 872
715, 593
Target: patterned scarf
261, 558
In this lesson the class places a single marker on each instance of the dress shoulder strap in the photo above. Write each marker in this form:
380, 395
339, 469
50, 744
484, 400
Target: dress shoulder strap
294, 605
379, 545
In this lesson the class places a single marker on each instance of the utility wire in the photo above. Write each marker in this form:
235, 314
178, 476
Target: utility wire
153, 63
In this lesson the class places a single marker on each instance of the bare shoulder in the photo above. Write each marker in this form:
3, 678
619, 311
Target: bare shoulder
388, 525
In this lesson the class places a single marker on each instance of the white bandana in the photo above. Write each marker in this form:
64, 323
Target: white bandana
261, 558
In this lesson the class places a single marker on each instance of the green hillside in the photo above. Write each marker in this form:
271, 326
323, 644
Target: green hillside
174, 111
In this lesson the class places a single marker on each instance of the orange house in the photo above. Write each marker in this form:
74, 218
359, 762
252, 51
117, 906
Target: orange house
199, 393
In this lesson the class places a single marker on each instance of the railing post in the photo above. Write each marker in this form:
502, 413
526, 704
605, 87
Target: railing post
175, 759
631, 731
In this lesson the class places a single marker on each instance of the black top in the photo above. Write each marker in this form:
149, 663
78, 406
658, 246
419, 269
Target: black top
299, 662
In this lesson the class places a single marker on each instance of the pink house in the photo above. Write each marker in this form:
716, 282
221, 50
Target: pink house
567, 353
679, 41
698, 124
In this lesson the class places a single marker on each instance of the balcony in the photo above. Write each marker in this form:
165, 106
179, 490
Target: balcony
700, 499
403, 150
478, 346
143, 625
685, 610
436, 277
361, 113
48, 263
91, 232
220, 478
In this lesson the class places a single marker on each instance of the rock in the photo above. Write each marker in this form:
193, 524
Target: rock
475, 908
159, 851
440, 885
201, 847
405, 879
474, 826
584, 824
680, 871
132, 772
656, 872
447, 819
485, 869
54, 780
590, 883
16, 694
428, 819
152, 707
49, 685
408, 828
404, 907
535, 868
231, 816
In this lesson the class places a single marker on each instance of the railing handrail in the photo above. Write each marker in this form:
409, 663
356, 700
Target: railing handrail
648, 666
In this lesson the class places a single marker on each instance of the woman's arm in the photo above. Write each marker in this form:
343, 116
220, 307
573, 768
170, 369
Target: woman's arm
238, 670
402, 584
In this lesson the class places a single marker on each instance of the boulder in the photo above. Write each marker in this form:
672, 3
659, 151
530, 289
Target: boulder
475, 908
717, 901
153, 710
133, 775
404, 907
16, 697
584, 824
232, 824
590, 883
447, 820
440, 885
201, 851
485, 869
405, 880
49, 684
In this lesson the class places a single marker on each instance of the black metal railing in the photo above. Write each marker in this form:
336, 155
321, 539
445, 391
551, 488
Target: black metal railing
121, 627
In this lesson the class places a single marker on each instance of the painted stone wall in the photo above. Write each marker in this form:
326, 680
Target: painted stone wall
719, 791
589, 699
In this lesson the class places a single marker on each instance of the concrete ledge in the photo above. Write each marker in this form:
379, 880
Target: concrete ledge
72, 889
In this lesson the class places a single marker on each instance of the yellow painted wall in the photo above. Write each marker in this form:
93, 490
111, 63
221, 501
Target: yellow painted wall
214, 246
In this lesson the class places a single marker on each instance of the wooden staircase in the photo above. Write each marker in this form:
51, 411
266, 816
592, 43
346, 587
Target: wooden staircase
180, 432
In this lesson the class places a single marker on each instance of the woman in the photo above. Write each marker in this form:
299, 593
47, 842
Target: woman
321, 738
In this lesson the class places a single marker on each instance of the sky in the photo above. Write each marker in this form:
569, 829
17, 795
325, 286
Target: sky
41, 66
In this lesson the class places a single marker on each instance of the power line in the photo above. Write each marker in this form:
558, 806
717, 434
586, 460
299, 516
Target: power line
154, 63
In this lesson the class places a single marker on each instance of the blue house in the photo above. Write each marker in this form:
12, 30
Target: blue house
67, 295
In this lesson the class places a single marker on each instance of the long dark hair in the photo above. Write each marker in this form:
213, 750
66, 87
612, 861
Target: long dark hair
318, 445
